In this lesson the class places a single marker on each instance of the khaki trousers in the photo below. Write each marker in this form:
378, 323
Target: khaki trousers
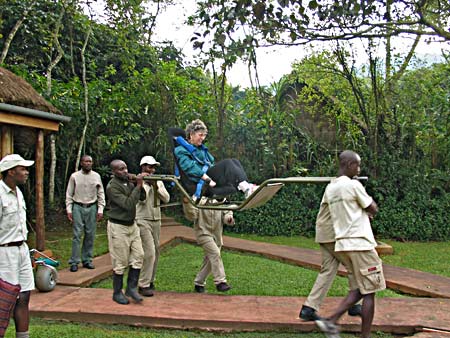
149, 232
212, 262
125, 247
328, 270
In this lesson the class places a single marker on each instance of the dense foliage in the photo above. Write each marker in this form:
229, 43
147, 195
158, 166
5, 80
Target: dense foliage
125, 91
412, 207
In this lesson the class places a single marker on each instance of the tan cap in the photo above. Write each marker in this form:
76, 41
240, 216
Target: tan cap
149, 160
13, 160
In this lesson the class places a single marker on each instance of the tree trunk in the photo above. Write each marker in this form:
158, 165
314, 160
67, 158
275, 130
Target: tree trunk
86, 98
13, 32
51, 183
60, 51
219, 95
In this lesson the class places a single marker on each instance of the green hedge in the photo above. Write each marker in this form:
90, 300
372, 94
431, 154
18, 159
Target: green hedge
412, 208
291, 212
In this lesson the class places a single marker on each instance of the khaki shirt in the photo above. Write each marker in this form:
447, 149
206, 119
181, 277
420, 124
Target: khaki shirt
146, 210
208, 222
13, 215
347, 200
85, 188
324, 225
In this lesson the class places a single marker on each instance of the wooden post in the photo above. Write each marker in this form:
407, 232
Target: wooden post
40, 223
7, 140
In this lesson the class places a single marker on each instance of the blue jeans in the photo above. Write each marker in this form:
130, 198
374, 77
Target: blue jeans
84, 221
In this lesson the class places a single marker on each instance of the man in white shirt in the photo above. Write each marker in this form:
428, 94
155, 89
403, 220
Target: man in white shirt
351, 209
15, 262
85, 201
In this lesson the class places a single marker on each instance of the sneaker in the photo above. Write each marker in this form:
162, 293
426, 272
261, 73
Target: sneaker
223, 287
331, 330
199, 288
355, 310
250, 190
308, 314
74, 268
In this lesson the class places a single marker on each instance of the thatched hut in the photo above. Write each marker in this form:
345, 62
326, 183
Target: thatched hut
25, 118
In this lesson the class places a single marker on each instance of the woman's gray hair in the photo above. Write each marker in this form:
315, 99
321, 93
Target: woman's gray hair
194, 126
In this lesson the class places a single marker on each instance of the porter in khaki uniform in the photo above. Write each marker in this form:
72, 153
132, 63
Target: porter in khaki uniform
208, 228
350, 207
148, 219
124, 241
348, 200
326, 238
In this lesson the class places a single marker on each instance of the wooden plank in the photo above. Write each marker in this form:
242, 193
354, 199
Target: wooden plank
28, 121
40, 223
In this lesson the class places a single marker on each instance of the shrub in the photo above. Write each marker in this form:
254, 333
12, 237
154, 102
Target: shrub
412, 208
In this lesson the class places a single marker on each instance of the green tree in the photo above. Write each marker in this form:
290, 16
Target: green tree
241, 25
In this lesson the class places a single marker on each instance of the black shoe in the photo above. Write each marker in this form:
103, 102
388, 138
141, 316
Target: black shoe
152, 286
199, 288
355, 310
146, 292
308, 314
223, 287
88, 265
74, 268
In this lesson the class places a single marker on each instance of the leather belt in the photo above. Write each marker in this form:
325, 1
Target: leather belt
19, 243
83, 205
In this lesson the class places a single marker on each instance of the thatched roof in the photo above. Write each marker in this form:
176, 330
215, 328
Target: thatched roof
16, 91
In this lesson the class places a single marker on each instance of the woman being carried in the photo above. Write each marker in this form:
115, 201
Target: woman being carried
198, 164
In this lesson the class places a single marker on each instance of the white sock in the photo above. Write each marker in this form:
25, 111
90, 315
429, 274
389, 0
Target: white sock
244, 185
23, 334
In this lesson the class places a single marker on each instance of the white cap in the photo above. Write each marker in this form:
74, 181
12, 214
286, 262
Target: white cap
149, 160
13, 160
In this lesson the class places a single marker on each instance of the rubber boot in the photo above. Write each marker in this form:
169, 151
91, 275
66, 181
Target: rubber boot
132, 282
118, 295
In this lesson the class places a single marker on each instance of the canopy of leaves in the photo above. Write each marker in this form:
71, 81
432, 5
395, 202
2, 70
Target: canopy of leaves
241, 24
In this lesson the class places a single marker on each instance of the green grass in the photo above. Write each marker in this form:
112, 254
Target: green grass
429, 257
424, 256
52, 329
248, 274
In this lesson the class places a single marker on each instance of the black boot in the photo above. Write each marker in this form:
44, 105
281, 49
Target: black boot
118, 295
132, 282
